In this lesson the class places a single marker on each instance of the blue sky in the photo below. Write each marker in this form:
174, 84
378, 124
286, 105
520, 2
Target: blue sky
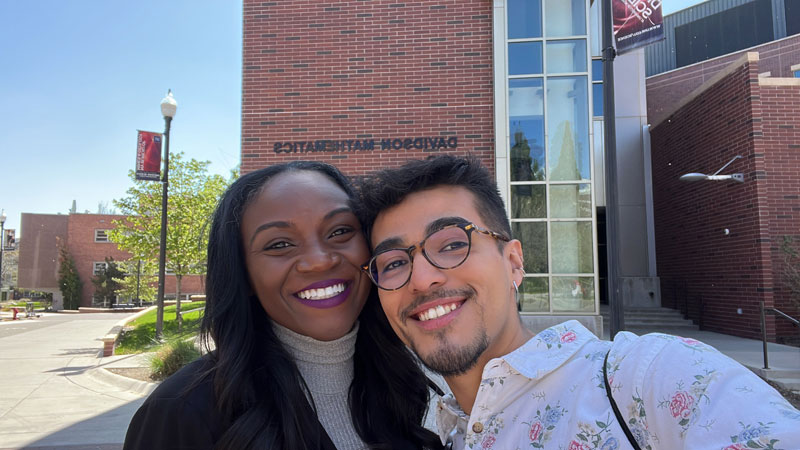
79, 78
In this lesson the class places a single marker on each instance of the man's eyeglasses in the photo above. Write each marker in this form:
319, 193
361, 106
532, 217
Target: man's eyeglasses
446, 248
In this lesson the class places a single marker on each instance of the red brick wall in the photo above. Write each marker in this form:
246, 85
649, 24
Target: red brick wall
781, 126
38, 250
718, 271
85, 251
357, 70
668, 88
713, 272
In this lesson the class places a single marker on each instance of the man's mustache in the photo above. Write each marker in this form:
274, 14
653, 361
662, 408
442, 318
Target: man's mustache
420, 300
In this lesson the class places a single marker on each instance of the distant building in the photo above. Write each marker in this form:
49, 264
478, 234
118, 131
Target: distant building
719, 243
720, 27
85, 237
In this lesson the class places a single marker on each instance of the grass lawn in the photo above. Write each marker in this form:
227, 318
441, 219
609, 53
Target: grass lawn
141, 338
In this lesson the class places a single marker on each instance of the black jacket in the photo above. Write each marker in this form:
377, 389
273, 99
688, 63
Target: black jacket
174, 418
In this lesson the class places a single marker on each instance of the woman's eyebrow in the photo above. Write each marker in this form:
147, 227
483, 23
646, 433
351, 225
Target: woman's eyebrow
268, 225
343, 209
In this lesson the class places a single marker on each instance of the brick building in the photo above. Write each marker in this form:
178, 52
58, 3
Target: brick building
719, 243
370, 84
84, 236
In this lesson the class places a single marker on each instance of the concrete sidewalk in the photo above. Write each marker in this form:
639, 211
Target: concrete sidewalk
54, 394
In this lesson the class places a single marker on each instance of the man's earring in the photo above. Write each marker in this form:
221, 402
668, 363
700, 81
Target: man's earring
516, 296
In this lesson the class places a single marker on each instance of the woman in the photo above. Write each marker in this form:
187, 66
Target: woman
304, 358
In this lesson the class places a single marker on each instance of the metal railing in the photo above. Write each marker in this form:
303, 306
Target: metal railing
778, 313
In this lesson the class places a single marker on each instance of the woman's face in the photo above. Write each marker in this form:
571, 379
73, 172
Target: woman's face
303, 250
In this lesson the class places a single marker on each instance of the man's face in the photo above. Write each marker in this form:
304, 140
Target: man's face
476, 317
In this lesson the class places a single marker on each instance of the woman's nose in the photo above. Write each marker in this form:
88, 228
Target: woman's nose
318, 258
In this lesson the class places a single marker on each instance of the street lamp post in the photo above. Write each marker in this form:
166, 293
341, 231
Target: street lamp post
2, 243
168, 108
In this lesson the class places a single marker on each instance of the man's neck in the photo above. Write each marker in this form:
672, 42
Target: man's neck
465, 386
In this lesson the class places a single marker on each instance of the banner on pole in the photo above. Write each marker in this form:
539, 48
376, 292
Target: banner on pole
636, 23
148, 156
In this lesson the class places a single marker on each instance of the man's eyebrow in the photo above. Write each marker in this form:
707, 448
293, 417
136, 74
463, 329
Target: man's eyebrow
386, 244
268, 225
442, 222
436, 225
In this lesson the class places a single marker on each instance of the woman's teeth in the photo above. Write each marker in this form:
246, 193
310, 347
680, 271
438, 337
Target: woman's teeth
322, 293
436, 311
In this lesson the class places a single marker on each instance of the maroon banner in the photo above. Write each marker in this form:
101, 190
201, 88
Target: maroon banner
148, 156
636, 23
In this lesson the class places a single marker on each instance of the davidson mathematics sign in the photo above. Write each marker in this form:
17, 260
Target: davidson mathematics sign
368, 145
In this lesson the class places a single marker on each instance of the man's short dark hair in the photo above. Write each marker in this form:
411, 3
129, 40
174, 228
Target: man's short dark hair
388, 187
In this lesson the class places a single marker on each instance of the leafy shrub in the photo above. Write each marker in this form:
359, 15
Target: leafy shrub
172, 357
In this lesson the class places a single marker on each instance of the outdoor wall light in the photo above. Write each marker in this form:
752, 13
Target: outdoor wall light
694, 176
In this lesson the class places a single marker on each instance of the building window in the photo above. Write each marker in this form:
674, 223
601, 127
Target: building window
597, 87
99, 267
100, 236
549, 175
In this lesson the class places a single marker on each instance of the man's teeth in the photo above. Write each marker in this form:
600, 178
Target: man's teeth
436, 311
322, 293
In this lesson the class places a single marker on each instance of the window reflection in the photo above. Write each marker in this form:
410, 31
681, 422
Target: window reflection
526, 115
533, 236
524, 19
525, 58
533, 295
573, 293
568, 128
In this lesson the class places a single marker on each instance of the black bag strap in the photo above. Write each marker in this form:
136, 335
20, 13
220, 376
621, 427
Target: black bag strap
620, 419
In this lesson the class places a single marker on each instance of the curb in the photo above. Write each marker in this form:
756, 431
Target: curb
128, 384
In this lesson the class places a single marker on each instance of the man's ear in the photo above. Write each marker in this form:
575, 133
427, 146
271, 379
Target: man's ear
513, 252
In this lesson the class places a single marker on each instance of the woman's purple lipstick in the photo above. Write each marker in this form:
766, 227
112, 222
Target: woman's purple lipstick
329, 302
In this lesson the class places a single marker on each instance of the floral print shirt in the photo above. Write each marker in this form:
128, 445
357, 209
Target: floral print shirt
674, 393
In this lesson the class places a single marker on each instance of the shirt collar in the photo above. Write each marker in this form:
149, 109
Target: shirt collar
535, 359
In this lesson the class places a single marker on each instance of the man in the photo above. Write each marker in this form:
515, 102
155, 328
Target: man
448, 273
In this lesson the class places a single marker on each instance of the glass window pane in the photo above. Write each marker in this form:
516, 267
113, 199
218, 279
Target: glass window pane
597, 70
528, 201
526, 125
533, 236
573, 293
566, 56
524, 58
597, 99
572, 247
570, 201
533, 295
565, 18
568, 128
595, 26
524, 19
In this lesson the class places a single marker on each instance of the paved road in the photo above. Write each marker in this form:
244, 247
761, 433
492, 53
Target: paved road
48, 395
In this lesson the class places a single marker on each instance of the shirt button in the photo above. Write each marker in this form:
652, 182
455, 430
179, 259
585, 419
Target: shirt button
477, 427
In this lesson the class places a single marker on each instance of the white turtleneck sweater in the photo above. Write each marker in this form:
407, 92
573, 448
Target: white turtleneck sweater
327, 368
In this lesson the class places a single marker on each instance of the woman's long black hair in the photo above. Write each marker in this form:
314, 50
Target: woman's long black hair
259, 391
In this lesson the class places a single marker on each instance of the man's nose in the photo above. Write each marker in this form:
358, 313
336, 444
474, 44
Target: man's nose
424, 275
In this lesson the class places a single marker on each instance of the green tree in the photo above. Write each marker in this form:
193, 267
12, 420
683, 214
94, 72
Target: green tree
140, 283
106, 282
68, 280
791, 269
193, 195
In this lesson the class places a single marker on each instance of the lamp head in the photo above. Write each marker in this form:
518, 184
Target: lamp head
2, 217
694, 176
169, 105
